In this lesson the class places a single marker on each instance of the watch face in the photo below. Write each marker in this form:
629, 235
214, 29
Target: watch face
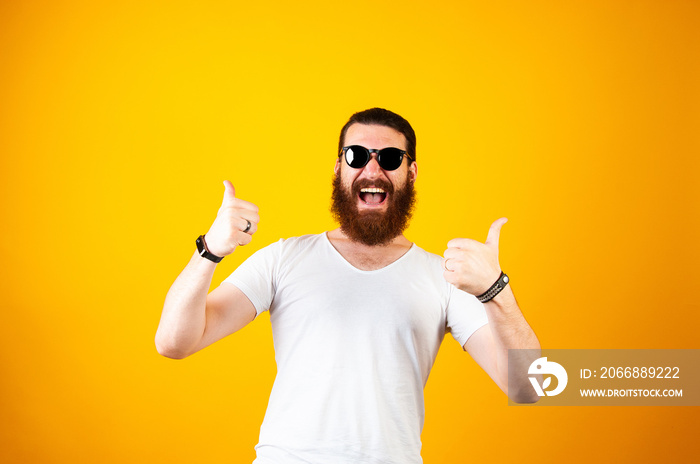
200, 246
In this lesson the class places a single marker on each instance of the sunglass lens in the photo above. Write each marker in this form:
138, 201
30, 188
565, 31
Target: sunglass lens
390, 158
356, 156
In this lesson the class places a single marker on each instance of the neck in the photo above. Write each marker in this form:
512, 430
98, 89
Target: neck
400, 241
368, 257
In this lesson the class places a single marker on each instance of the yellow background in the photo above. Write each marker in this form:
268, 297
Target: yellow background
119, 121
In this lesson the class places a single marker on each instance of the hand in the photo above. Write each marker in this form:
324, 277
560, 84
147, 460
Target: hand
473, 266
232, 219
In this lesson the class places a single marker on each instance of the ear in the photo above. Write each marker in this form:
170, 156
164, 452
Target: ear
337, 165
413, 171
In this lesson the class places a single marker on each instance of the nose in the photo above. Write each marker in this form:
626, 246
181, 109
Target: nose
372, 169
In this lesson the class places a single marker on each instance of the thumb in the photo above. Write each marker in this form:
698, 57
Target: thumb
229, 192
495, 233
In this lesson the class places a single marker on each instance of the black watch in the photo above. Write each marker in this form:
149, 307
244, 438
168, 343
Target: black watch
204, 251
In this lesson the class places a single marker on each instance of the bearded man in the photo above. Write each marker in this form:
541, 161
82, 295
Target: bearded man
357, 313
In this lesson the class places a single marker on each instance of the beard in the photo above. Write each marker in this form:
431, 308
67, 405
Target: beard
373, 227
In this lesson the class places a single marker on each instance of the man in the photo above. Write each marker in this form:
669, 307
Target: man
357, 313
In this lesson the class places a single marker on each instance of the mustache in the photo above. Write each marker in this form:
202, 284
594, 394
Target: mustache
379, 183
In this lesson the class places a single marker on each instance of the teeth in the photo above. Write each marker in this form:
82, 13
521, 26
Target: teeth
372, 190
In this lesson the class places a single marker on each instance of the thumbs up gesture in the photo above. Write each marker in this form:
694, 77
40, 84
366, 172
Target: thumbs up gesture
473, 266
235, 223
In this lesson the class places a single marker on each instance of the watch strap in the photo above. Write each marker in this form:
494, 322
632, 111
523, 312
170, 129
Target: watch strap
204, 251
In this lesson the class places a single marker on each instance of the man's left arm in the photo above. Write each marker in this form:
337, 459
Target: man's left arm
473, 267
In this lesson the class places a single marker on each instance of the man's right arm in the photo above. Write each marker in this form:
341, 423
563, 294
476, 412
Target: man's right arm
191, 319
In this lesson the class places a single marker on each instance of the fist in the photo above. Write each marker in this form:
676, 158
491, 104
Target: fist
473, 266
235, 223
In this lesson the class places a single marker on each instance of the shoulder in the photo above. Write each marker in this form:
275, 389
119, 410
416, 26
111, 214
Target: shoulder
283, 253
428, 259
300, 243
286, 248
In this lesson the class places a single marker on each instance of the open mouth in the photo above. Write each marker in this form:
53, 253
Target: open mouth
373, 196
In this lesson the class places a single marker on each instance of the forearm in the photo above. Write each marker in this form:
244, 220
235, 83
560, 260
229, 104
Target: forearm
184, 327
509, 327
511, 331
183, 320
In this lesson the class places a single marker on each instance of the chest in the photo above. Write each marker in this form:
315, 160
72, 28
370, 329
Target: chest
335, 303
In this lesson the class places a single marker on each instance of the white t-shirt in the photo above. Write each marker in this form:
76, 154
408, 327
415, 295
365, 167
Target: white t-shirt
353, 349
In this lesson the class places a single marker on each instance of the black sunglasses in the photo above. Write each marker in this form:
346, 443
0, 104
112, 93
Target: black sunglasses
358, 156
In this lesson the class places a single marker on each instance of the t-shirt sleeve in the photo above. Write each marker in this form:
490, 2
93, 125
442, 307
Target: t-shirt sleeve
465, 314
256, 276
